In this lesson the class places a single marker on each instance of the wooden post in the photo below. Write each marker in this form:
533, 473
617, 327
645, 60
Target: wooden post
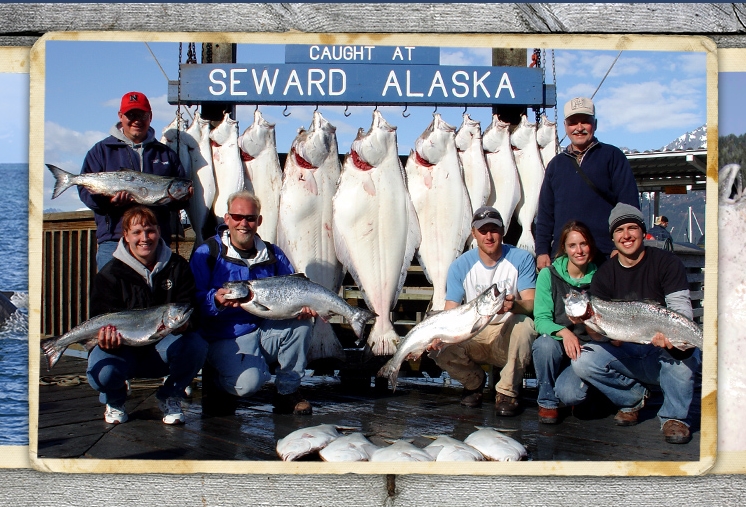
506, 57
218, 52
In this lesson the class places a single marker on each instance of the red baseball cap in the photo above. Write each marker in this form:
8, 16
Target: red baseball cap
134, 100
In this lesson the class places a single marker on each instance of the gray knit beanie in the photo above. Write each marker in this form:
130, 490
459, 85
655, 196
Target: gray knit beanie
625, 214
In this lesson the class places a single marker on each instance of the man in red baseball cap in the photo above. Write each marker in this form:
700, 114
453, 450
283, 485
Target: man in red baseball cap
131, 146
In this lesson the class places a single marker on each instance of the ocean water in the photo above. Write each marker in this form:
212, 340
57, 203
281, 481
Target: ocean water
14, 277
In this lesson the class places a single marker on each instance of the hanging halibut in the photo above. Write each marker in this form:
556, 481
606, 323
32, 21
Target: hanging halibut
203, 178
185, 142
262, 170
503, 171
546, 136
441, 201
375, 225
471, 154
531, 174
227, 162
304, 227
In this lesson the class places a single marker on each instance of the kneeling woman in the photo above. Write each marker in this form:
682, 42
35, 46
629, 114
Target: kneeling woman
559, 339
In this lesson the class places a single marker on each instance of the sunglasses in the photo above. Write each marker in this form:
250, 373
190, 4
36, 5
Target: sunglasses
487, 214
239, 218
136, 114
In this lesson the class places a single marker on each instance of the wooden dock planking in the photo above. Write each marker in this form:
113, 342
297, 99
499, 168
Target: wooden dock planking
71, 423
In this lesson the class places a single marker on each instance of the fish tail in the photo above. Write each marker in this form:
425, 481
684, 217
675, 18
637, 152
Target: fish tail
358, 322
390, 370
52, 351
63, 180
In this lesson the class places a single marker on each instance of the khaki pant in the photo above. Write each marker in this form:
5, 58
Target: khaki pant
506, 345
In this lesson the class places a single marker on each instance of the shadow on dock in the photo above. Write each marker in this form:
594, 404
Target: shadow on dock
71, 423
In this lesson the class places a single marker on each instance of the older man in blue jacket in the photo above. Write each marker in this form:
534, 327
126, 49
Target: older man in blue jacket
241, 345
584, 182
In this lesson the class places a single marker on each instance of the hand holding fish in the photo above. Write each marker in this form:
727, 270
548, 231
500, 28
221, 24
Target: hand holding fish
307, 313
222, 302
122, 198
660, 340
109, 338
507, 305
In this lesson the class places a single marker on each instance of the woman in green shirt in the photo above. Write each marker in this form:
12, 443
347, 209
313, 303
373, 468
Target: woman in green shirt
560, 340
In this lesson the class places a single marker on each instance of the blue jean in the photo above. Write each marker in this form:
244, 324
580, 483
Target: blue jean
557, 382
243, 363
178, 356
619, 372
105, 253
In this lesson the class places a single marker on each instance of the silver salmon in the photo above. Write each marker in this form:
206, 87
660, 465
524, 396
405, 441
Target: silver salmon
137, 327
633, 321
149, 189
448, 327
283, 297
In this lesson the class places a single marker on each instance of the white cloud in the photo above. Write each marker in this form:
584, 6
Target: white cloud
690, 63
466, 57
649, 106
61, 140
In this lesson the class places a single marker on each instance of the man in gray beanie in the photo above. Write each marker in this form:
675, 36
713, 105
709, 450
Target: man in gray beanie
619, 369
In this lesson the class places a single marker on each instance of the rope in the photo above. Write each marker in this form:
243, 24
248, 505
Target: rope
156, 61
63, 380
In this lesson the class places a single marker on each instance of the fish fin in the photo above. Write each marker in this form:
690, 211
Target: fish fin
324, 343
90, 344
414, 237
309, 181
369, 186
63, 180
50, 349
162, 200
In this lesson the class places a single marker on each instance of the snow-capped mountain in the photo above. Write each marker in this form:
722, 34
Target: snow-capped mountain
694, 140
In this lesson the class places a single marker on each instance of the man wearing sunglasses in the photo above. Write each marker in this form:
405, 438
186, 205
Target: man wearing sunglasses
506, 342
132, 145
584, 182
242, 346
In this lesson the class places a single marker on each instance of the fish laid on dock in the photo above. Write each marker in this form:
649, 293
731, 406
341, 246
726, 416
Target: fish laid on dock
633, 321
401, 450
349, 448
445, 448
145, 188
447, 327
495, 446
304, 441
283, 297
137, 327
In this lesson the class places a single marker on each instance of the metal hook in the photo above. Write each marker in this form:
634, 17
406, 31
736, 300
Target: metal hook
283, 113
436, 109
256, 108
466, 106
347, 115
316, 109
376, 108
405, 110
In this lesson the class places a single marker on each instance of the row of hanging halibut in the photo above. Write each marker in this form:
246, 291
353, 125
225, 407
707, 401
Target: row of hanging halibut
369, 216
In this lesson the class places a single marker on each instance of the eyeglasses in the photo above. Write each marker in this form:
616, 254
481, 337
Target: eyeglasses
136, 114
239, 218
487, 214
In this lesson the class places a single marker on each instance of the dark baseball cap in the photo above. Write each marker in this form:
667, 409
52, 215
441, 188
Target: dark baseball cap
487, 215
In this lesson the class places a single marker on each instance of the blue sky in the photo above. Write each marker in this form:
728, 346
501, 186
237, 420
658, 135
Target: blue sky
647, 101
731, 117
14, 89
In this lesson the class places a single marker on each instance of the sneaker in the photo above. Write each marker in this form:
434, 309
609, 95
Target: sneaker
506, 406
172, 413
115, 414
292, 403
676, 432
548, 415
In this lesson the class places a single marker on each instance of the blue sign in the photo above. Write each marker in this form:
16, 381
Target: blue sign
336, 54
357, 84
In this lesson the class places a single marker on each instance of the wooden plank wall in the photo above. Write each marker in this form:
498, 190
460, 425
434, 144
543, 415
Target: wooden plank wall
22, 24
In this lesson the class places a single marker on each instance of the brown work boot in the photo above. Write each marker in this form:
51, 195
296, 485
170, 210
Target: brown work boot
676, 432
472, 397
292, 403
626, 418
505, 405
548, 415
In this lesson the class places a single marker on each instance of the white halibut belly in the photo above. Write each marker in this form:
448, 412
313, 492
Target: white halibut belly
203, 178
266, 181
507, 187
229, 172
443, 211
